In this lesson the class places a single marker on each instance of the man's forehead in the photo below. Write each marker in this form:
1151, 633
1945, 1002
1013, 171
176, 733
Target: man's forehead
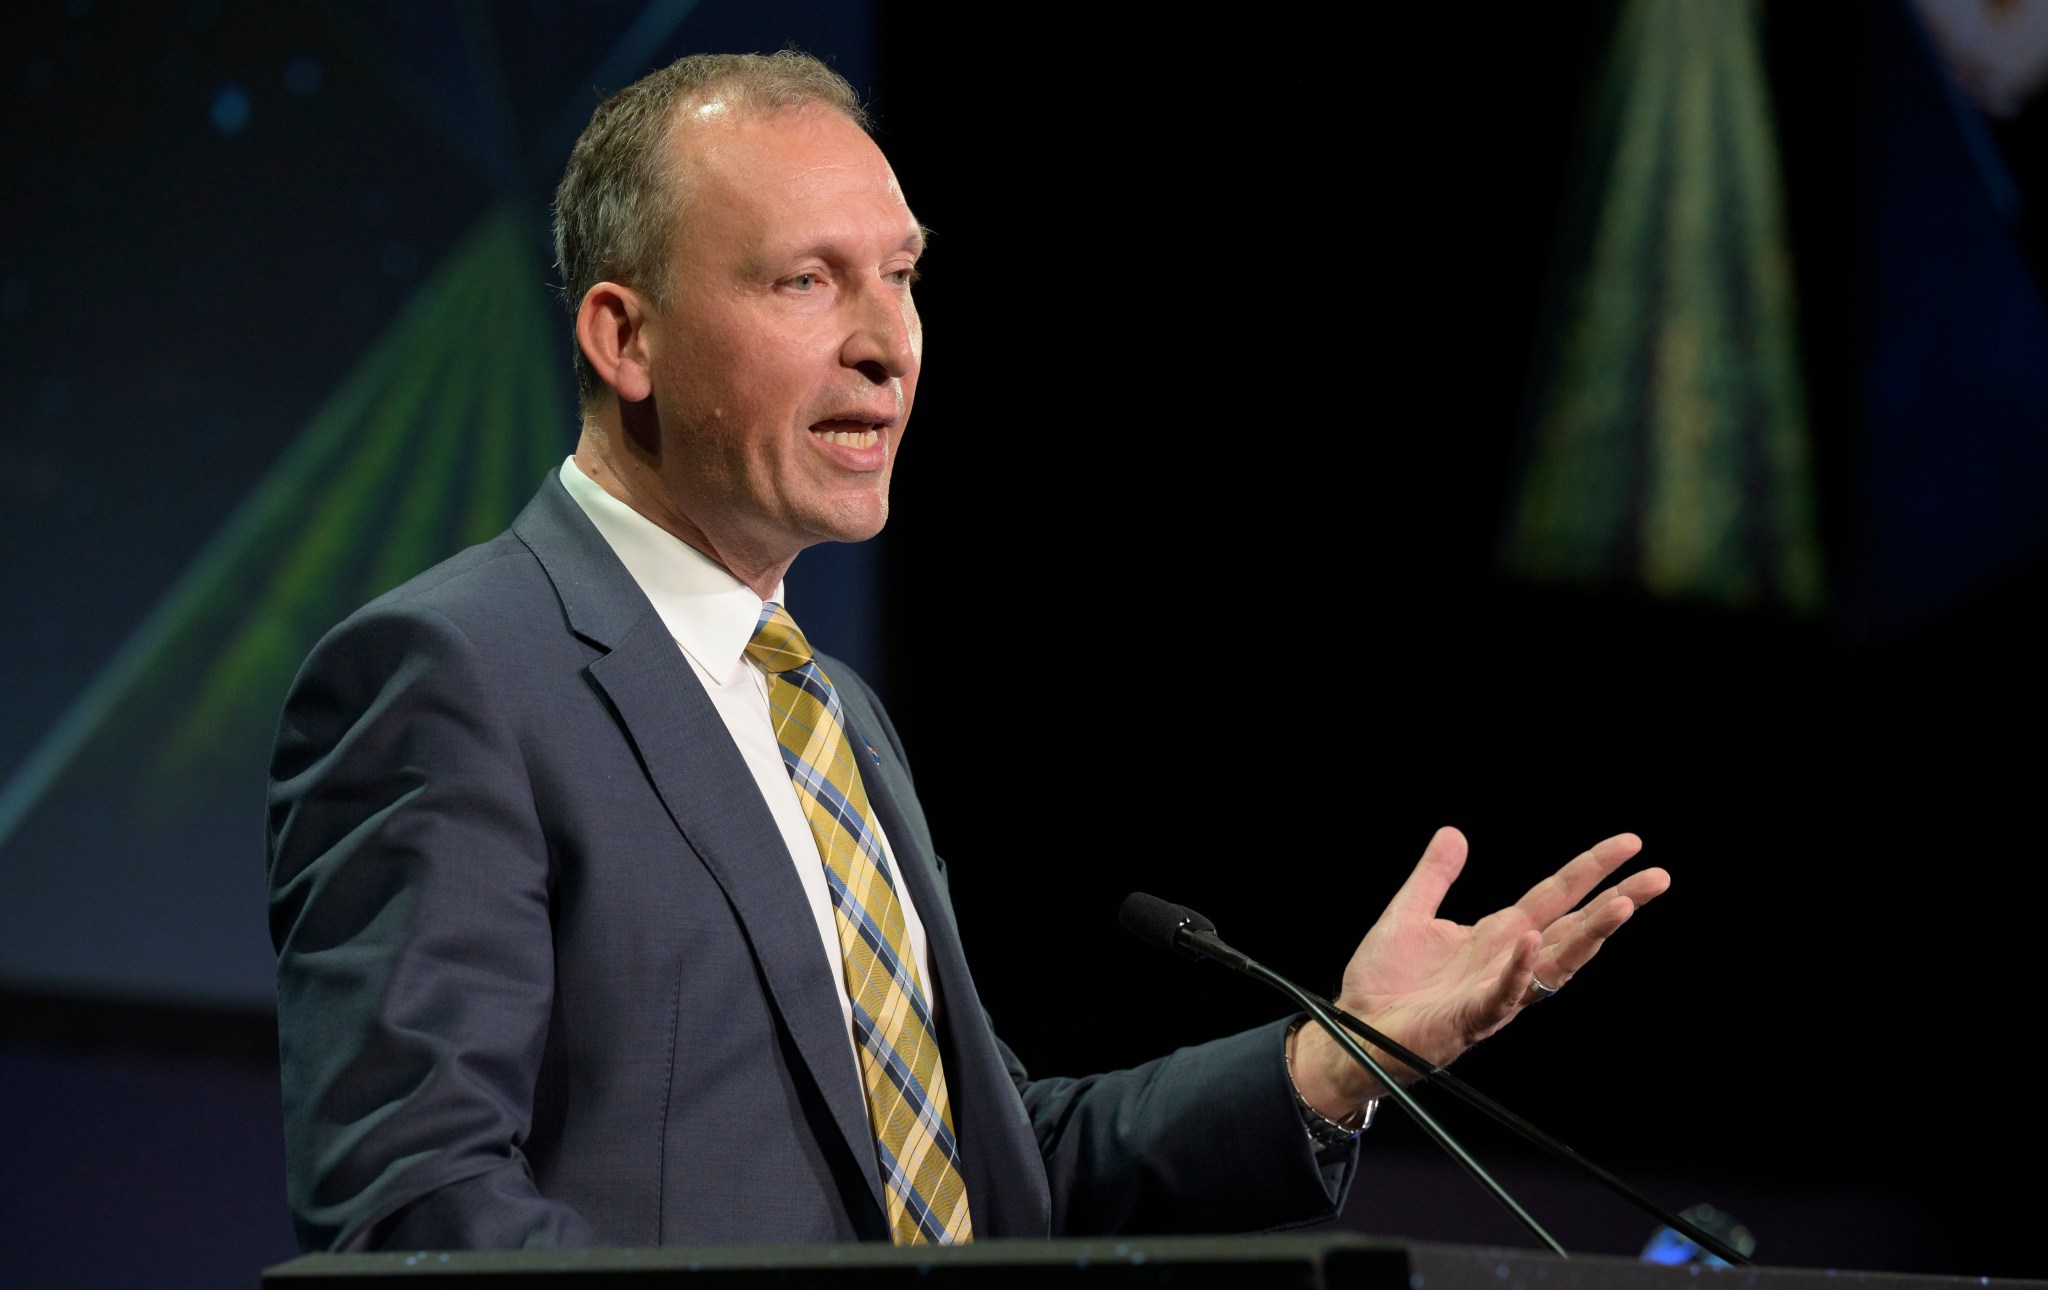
727, 128
750, 155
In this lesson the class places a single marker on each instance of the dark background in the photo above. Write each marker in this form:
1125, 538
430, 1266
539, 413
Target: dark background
1232, 332
1233, 328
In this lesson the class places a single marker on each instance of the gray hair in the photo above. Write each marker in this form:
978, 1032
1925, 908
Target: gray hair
621, 198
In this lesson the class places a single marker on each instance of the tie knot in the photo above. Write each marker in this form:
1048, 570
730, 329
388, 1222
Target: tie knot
777, 644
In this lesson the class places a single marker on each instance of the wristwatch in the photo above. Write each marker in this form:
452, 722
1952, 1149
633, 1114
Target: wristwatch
1322, 1130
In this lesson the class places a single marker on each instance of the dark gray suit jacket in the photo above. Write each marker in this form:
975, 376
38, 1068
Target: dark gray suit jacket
546, 975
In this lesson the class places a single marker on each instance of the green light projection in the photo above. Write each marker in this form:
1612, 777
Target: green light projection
433, 443
1671, 448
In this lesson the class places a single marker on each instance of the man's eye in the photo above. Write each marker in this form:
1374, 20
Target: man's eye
804, 281
904, 277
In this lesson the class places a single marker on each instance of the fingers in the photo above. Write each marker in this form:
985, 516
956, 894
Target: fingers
1561, 892
1442, 861
1644, 887
1606, 912
1506, 994
1570, 943
1513, 987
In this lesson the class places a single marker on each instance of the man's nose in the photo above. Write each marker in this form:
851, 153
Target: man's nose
882, 344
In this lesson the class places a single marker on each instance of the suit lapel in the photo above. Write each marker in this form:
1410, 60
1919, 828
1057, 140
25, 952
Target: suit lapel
707, 790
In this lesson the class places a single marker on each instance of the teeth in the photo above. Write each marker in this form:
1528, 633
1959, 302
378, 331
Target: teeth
851, 438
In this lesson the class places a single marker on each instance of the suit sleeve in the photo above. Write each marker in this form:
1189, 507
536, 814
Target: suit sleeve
1206, 1139
409, 890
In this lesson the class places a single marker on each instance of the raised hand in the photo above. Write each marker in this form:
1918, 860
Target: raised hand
1437, 987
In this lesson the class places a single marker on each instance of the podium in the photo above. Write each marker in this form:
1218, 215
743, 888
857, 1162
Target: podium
1295, 1262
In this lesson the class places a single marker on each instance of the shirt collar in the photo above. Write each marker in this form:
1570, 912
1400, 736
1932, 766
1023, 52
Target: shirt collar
710, 613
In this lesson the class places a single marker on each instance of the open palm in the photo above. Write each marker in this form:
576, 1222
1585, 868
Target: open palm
1437, 987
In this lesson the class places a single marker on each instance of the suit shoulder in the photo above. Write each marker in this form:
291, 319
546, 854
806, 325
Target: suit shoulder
491, 603
494, 590
471, 580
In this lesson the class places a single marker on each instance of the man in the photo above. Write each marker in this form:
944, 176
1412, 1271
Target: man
606, 913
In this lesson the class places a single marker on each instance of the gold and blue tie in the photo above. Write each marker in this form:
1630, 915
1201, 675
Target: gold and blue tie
892, 1023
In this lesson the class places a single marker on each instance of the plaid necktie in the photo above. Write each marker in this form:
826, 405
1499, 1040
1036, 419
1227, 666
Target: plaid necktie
892, 1024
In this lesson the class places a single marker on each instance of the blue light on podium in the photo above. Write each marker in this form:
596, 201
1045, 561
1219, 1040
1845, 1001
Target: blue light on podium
1668, 1246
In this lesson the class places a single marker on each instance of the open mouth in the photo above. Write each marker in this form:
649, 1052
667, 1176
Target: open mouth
848, 433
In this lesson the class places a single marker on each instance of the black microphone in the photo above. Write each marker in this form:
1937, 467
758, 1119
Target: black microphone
1184, 931
1178, 928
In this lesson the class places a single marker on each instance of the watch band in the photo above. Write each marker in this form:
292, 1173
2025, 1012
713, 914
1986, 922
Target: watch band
1323, 1130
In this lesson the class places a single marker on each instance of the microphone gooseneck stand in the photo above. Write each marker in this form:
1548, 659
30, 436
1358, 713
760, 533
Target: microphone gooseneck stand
1323, 1014
1473, 1097
1184, 931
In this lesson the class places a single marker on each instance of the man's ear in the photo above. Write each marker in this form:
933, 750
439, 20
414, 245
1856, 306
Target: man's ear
611, 328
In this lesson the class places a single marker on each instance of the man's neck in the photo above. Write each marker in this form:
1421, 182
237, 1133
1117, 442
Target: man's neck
607, 459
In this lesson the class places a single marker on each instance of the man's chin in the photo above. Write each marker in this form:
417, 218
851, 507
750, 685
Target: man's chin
853, 522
